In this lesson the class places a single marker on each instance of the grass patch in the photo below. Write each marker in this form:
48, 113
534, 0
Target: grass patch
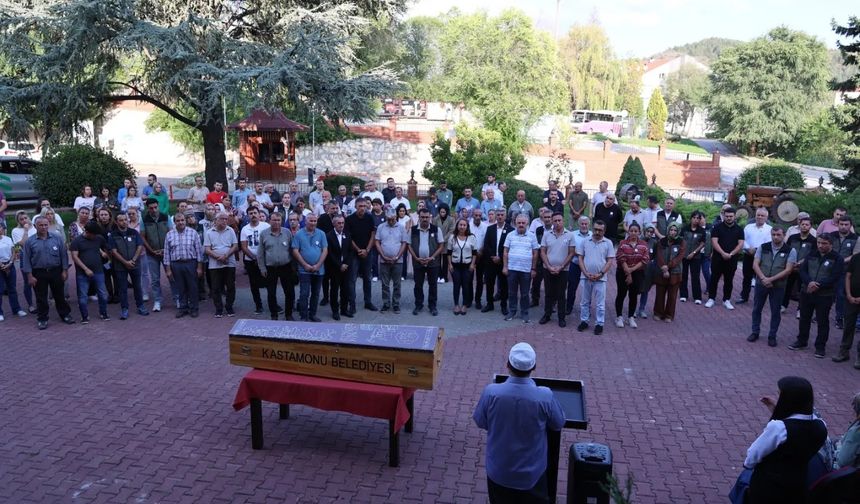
683, 145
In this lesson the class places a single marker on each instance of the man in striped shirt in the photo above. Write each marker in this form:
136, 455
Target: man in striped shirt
183, 260
518, 264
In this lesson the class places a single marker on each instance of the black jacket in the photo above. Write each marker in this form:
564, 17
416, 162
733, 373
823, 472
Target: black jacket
489, 248
337, 255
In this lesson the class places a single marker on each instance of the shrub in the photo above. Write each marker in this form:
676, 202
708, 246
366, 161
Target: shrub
770, 173
632, 173
61, 176
534, 194
332, 182
820, 205
475, 153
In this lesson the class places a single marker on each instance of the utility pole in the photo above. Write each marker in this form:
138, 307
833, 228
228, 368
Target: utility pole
557, 11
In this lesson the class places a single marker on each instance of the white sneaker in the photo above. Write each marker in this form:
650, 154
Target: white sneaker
441, 280
146, 297
375, 279
94, 298
797, 315
21, 313
156, 307
709, 303
619, 322
631, 321
698, 301
728, 305
683, 300
2, 318
782, 310
643, 314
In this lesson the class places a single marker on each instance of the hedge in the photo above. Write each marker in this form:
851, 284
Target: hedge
61, 176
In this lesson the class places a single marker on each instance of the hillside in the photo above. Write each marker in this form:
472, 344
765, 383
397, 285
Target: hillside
705, 50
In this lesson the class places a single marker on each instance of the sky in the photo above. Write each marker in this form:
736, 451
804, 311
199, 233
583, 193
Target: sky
641, 28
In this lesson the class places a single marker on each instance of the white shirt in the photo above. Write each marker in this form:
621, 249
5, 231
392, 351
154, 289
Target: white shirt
395, 202
649, 216
578, 240
494, 186
774, 434
536, 223
598, 198
755, 236
480, 231
251, 234
263, 198
6, 245
18, 233
81, 202
372, 195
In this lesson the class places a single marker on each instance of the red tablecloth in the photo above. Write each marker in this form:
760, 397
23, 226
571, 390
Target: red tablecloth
365, 399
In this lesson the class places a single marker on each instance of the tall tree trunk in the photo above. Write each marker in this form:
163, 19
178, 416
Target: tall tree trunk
213, 151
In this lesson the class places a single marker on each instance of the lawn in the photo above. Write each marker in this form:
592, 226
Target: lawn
683, 145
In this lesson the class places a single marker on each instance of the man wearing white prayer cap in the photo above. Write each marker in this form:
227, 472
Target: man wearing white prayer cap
516, 415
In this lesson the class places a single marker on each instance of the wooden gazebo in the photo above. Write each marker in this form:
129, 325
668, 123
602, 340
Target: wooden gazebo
267, 146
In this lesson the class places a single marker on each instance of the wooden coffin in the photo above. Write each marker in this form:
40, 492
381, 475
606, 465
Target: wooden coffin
403, 356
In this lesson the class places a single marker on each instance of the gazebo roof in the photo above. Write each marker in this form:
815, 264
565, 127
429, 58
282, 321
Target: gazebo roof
260, 120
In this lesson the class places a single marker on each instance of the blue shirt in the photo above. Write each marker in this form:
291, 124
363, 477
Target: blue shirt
44, 253
240, 196
470, 203
516, 415
310, 246
488, 205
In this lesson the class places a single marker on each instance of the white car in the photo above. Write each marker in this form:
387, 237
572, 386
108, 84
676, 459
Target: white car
20, 149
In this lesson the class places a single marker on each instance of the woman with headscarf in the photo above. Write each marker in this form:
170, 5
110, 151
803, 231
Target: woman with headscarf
670, 255
848, 454
445, 223
779, 457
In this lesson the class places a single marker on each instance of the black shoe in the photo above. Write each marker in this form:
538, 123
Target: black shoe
840, 324
335, 316
434, 311
598, 330
396, 310
797, 346
511, 315
819, 354
85, 320
68, 320
478, 305
752, 337
289, 317
543, 320
771, 342
315, 319
534, 303
104, 316
562, 322
274, 317
741, 301
384, 308
370, 307
840, 357
488, 308
569, 310
416, 310
582, 326
505, 311
346, 314
195, 314
497, 296
258, 310
42, 325
323, 301
183, 313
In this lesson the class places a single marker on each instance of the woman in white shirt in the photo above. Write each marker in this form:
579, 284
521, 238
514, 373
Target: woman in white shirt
24, 230
132, 200
8, 254
463, 254
404, 221
86, 199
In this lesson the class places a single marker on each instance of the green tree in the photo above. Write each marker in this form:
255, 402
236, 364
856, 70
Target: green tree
632, 173
685, 92
61, 176
594, 77
820, 141
503, 68
631, 88
474, 154
763, 90
705, 51
850, 114
187, 58
657, 115
770, 173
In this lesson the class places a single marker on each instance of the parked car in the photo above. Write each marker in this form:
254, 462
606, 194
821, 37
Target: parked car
19, 170
19, 149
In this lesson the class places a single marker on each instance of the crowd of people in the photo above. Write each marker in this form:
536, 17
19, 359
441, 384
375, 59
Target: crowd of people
497, 254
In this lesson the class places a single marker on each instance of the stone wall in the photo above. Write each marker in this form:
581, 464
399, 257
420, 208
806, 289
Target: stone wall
366, 158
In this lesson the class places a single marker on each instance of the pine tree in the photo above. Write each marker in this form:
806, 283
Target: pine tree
632, 173
850, 156
657, 114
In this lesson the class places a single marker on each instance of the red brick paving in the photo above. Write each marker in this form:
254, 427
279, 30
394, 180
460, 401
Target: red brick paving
140, 411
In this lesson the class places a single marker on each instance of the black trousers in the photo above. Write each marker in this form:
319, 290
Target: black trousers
480, 269
538, 494
50, 279
820, 305
536, 281
223, 278
725, 270
255, 278
749, 274
631, 292
275, 275
430, 274
338, 290
111, 285
692, 271
493, 274
791, 285
555, 290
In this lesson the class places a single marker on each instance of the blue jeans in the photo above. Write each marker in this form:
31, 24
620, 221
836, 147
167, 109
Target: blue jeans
309, 286
598, 291
83, 282
7, 283
573, 275
519, 282
28, 289
774, 297
122, 286
706, 269
154, 264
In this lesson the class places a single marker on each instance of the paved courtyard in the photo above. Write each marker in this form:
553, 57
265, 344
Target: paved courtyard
141, 410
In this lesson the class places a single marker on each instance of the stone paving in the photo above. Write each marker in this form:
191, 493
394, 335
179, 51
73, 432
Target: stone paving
141, 410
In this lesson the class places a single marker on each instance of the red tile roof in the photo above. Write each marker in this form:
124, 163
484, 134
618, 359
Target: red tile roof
260, 120
654, 63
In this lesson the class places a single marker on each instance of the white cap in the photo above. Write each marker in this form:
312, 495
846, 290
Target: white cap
522, 357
